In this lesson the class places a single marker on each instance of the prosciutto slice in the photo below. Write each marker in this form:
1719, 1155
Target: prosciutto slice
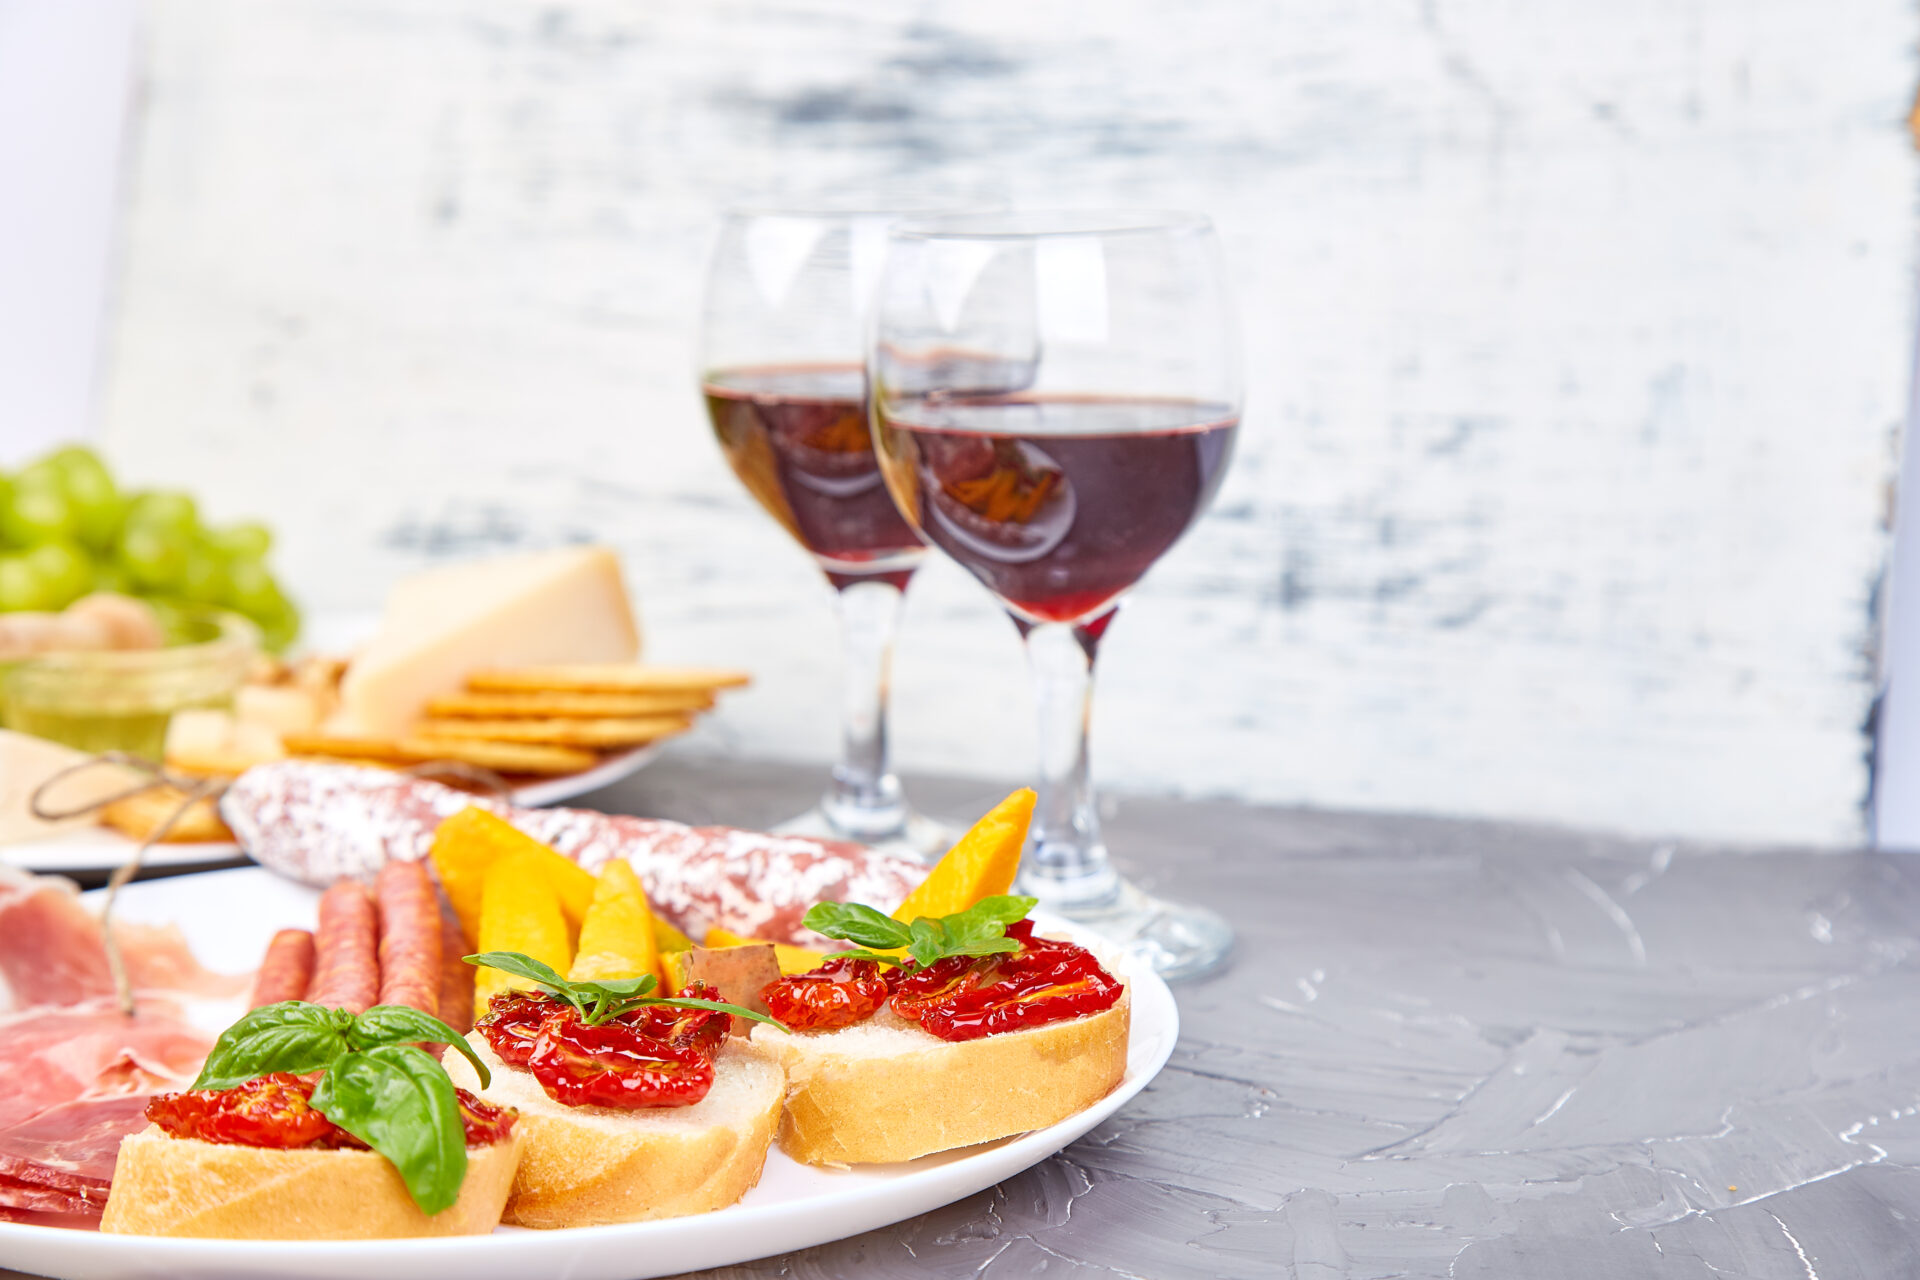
67, 1151
56, 1054
318, 822
52, 949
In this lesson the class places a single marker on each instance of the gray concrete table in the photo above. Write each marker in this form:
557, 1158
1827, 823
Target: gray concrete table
1451, 1049
1466, 1050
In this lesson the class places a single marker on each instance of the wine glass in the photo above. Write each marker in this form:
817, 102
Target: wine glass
1055, 399
781, 366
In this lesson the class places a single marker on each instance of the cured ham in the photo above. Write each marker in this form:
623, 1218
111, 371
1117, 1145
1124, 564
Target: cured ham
52, 951
55, 1054
318, 822
61, 1161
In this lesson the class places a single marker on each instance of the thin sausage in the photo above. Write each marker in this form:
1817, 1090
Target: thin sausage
287, 969
346, 971
456, 975
409, 936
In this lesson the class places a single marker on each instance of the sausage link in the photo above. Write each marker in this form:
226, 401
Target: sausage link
346, 971
286, 971
409, 936
456, 975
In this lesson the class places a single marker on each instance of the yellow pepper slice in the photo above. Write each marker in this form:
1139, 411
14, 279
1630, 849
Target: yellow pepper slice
467, 844
519, 911
616, 938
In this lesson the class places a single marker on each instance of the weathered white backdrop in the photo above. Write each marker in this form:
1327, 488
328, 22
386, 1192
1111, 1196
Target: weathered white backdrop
1578, 341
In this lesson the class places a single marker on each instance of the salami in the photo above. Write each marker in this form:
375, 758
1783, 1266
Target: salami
315, 822
456, 975
287, 970
346, 970
409, 936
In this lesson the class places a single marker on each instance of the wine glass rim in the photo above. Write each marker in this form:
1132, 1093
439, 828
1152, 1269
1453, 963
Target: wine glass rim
1045, 224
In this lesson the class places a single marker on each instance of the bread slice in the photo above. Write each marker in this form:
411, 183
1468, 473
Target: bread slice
886, 1090
165, 1186
590, 1165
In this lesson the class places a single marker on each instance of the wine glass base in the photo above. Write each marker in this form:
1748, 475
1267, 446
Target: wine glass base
921, 838
1179, 940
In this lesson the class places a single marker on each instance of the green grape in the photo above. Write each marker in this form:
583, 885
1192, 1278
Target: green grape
63, 570
109, 576
251, 589
280, 626
204, 579
37, 510
90, 489
20, 585
167, 509
154, 558
249, 538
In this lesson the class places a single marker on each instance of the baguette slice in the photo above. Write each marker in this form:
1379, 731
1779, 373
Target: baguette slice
590, 1165
165, 1186
886, 1090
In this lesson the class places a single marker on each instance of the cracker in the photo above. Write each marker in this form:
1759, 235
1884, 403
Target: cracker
138, 816
611, 677
501, 757
559, 732
546, 705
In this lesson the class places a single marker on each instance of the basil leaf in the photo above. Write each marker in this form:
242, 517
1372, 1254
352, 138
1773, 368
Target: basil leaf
988, 918
401, 1024
399, 1101
525, 966
289, 1036
929, 941
618, 986
719, 1006
985, 947
857, 923
878, 957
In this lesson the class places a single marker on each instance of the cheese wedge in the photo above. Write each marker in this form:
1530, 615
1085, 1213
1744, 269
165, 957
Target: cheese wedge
26, 762
545, 607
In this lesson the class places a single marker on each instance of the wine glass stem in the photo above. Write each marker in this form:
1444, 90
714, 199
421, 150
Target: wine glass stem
1065, 864
864, 800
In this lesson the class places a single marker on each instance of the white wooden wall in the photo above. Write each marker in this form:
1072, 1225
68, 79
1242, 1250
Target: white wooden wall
1577, 333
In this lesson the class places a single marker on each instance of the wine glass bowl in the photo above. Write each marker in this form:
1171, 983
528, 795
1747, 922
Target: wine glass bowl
783, 374
1055, 399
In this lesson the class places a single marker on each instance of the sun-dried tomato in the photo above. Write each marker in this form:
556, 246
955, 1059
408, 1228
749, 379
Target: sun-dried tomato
615, 1065
837, 994
1047, 980
702, 1029
513, 1020
484, 1122
269, 1111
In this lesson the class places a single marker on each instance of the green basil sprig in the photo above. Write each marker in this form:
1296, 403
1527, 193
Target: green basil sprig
378, 1087
602, 1001
980, 930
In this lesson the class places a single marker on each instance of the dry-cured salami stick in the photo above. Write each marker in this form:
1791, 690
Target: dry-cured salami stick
287, 969
346, 970
456, 975
409, 936
315, 822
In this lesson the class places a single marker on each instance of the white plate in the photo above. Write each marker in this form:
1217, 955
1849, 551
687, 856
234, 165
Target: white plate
229, 917
102, 849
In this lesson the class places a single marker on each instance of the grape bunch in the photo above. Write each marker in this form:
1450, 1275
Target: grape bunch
66, 530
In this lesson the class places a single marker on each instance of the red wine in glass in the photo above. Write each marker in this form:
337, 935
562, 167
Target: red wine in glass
1058, 505
797, 436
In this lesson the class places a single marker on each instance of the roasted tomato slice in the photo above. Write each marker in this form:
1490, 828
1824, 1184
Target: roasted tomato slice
268, 1111
513, 1020
837, 994
484, 1122
914, 993
614, 1065
702, 1029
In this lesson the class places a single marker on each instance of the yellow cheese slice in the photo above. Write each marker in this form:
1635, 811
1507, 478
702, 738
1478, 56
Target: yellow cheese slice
544, 607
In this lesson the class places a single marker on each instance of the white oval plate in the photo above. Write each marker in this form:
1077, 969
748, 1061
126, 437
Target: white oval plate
85, 849
229, 916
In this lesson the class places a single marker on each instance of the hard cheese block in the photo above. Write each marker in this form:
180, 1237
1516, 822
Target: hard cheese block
545, 607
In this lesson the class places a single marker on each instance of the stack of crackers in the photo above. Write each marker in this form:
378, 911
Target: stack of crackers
541, 721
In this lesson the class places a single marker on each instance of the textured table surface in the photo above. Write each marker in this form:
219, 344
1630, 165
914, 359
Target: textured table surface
1468, 1050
